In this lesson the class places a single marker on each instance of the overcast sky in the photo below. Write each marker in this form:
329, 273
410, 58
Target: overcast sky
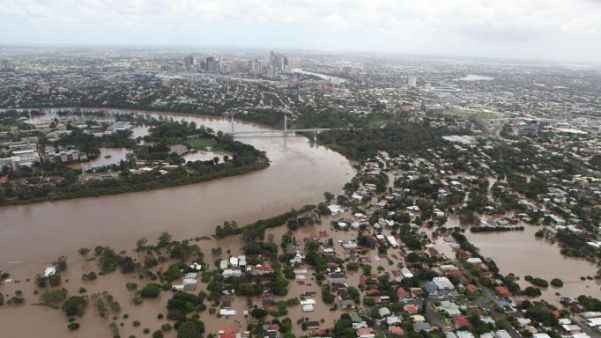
526, 29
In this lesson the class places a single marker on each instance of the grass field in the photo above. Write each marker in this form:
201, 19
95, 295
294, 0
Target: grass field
200, 143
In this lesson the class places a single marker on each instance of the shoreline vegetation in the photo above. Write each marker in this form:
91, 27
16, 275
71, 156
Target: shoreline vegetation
257, 229
477, 229
107, 191
164, 167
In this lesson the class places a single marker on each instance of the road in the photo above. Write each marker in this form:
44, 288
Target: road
488, 301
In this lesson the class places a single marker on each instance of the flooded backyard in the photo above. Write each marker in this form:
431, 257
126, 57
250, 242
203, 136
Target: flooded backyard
521, 253
204, 155
108, 156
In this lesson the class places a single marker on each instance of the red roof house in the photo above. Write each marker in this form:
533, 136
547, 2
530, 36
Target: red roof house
461, 322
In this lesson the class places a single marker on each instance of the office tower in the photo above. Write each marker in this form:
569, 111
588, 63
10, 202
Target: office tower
412, 81
188, 62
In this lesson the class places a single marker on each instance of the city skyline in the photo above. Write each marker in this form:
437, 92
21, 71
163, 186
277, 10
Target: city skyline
532, 30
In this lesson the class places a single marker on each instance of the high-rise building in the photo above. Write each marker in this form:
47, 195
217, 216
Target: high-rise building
254, 67
212, 65
188, 62
412, 81
278, 62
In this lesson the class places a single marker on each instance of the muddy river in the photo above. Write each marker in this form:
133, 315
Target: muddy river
299, 173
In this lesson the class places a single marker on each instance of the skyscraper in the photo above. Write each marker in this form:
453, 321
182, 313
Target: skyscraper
412, 81
279, 62
188, 62
212, 65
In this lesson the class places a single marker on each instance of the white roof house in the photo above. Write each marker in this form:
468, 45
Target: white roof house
406, 273
190, 281
231, 273
590, 314
393, 242
502, 334
464, 334
443, 283
308, 308
335, 209
223, 264
178, 287
227, 312
391, 320
594, 322
540, 335
50, 271
384, 311
307, 302
195, 266
474, 260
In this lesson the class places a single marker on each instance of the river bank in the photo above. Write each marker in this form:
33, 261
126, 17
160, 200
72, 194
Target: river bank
298, 175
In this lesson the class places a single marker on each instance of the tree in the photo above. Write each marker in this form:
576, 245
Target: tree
190, 328
61, 264
532, 292
344, 327
353, 292
164, 239
173, 272
541, 315
285, 325
352, 266
328, 196
313, 246
258, 313
127, 265
73, 326
54, 280
556, 282
74, 306
151, 290
54, 296
41, 282
84, 252
280, 285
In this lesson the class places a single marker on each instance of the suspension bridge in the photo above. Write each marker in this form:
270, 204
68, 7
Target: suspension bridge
278, 132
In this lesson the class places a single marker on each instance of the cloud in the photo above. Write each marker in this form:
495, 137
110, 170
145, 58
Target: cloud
353, 21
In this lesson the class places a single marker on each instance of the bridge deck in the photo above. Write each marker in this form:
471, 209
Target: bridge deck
278, 131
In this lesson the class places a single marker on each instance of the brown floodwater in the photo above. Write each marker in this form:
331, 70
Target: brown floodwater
33, 235
204, 155
108, 156
523, 254
299, 174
